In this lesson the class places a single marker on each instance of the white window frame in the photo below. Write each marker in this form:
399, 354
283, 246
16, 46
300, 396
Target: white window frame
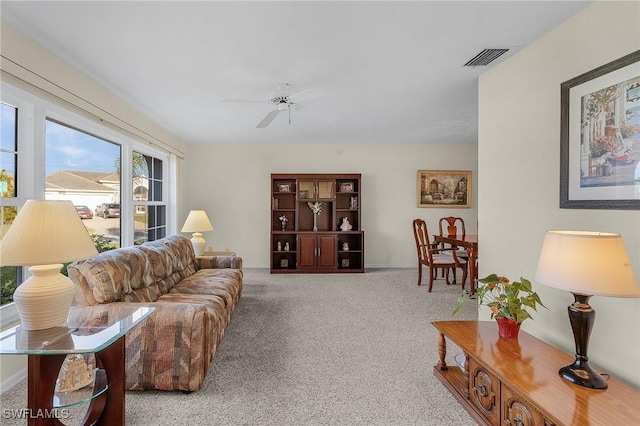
32, 114
166, 164
24, 179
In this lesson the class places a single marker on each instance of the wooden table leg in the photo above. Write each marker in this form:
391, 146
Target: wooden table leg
112, 359
442, 353
473, 273
43, 372
106, 409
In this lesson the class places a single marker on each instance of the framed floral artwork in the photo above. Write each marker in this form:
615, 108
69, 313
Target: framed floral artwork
444, 188
600, 137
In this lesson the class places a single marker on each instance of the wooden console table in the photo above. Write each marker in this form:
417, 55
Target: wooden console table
516, 382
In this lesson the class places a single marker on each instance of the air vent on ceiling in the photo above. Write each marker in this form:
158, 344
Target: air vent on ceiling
485, 57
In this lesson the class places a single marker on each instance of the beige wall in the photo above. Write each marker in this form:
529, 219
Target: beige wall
231, 182
519, 127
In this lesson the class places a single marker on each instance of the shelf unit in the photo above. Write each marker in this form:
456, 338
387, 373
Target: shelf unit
302, 243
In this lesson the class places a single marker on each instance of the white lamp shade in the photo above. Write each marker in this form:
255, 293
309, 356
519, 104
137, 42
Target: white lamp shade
589, 263
46, 232
197, 221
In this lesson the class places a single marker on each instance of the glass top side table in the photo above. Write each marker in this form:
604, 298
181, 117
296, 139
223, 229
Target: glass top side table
97, 329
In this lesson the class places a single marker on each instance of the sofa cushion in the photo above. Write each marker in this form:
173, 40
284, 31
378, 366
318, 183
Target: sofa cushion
215, 305
113, 274
172, 259
226, 283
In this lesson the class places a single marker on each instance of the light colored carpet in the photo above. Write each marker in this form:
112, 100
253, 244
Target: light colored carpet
354, 349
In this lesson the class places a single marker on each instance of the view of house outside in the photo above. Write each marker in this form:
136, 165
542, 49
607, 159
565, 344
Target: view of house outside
84, 169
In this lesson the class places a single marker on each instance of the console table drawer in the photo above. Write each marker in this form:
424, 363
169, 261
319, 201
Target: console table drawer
484, 392
517, 411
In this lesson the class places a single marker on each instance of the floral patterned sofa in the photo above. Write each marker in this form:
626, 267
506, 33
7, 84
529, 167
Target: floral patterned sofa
194, 299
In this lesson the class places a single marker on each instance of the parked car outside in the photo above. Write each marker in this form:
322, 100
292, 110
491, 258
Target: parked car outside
107, 210
84, 212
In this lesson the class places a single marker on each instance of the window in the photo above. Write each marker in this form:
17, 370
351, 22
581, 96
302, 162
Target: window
85, 169
150, 210
50, 152
9, 275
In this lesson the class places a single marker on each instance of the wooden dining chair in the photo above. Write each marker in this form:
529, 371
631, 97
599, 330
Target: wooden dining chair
435, 258
452, 226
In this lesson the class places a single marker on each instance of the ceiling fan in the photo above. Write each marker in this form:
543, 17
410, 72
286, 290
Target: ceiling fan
280, 100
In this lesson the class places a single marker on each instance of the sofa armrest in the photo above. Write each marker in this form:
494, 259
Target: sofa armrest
171, 349
219, 262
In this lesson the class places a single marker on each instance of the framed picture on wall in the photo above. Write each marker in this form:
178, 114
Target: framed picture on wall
600, 137
444, 188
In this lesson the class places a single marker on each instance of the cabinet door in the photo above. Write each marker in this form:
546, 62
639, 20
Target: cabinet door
317, 251
306, 190
484, 392
307, 245
517, 411
325, 189
316, 189
327, 251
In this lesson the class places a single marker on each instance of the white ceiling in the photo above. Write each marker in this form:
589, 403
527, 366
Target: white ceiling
383, 71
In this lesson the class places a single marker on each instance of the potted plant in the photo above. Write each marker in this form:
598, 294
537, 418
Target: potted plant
508, 301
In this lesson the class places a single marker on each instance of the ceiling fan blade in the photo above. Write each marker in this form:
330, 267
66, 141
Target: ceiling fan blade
303, 94
268, 118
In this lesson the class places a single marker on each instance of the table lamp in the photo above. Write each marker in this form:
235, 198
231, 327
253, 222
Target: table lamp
45, 234
197, 222
586, 264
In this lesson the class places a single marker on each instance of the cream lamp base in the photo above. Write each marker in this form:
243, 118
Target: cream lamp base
198, 243
43, 300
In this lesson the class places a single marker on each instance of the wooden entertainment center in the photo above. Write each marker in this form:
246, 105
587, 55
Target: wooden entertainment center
304, 242
516, 382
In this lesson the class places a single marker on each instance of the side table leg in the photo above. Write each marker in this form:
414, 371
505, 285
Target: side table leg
442, 353
112, 359
43, 372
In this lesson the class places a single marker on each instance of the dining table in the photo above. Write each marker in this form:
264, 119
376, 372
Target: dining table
468, 242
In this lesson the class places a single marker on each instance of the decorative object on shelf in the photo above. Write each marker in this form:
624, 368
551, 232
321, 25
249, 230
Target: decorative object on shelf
503, 298
284, 263
316, 208
586, 264
284, 187
197, 222
346, 226
345, 246
279, 245
286, 246
75, 374
345, 263
45, 234
283, 222
353, 203
346, 187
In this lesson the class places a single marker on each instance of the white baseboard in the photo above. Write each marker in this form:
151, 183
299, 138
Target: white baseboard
13, 380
